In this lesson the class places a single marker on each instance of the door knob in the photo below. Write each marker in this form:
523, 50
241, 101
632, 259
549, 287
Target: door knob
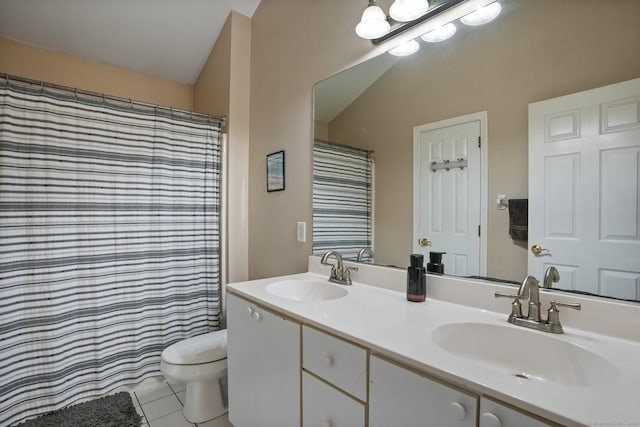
424, 242
538, 250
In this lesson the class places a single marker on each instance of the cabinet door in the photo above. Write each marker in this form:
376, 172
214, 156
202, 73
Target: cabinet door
336, 361
494, 414
264, 367
402, 398
325, 406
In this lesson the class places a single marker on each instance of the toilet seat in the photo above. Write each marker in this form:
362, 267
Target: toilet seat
205, 348
201, 363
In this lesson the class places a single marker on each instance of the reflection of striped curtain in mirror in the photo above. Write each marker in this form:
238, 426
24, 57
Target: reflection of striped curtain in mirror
109, 228
342, 199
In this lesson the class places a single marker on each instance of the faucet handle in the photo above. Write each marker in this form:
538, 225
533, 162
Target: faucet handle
346, 274
334, 272
553, 315
516, 307
501, 295
556, 304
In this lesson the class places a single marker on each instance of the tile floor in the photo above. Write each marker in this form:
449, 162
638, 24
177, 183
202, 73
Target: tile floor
160, 405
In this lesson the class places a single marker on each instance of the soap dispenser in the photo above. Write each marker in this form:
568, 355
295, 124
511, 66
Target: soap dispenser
435, 264
416, 279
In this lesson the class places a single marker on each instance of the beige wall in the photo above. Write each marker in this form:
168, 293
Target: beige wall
239, 121
321, 130
211, 89
501, 69
36, 63
223, 88
295, 44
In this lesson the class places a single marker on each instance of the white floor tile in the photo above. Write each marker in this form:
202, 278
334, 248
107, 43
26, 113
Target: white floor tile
153, 393
222, 421
181, 395
175, 419
160, 407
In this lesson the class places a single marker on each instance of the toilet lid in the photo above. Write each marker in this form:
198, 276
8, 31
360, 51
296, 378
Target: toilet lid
199, 349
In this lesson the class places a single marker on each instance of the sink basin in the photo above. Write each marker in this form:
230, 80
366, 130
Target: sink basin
306, 290
526, 354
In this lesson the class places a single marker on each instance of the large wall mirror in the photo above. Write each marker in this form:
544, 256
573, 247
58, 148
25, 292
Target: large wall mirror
534, 51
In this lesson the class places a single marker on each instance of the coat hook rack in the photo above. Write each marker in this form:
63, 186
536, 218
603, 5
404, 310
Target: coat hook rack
459, 163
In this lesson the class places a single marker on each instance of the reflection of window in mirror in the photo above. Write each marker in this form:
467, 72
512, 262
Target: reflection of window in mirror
342, 199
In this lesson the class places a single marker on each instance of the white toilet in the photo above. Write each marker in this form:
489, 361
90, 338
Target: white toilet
201, 363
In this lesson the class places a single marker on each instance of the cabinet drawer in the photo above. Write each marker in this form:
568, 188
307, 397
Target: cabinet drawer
340, 363
401, 397
495, 414
323, 405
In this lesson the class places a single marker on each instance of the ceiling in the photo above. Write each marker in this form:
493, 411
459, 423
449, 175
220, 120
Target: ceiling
165, 38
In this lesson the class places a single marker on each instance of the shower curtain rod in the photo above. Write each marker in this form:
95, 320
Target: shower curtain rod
342, 147
7, 77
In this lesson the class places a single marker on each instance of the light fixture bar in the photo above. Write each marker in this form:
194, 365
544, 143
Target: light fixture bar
436, 10
436, 17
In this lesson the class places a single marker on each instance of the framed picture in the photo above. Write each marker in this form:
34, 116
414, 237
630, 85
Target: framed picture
275, 171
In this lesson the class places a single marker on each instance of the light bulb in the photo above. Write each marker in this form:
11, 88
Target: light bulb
405, 49
440, 34
483, 15
408, 10
373, 24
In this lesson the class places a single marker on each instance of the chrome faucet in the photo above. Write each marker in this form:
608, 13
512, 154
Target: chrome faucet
339, 273
365, 251
530, 290
551, 276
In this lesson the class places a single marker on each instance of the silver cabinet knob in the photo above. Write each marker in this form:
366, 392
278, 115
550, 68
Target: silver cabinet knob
457, 411
256, 316
328, 361
489, 420
327, 423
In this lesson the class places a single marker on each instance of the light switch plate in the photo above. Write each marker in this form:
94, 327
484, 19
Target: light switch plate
301, 231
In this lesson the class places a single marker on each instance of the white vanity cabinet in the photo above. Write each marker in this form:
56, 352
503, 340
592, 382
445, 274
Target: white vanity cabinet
494, 414
400, 397
334, 381
325, 406
263, 366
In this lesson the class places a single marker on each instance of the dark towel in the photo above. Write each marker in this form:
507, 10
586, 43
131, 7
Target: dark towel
519, 219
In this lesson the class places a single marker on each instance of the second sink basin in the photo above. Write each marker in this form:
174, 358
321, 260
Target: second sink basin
306, 290
526, 354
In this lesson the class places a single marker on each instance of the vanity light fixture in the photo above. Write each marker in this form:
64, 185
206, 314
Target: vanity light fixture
440, 34
483, 15
407, 48
434, 24
374, 22
408, 10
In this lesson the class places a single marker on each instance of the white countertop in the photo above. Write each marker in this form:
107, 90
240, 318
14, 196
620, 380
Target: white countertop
385, 322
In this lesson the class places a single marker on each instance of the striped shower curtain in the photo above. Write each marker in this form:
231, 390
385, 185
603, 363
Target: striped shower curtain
109, 243
342, 199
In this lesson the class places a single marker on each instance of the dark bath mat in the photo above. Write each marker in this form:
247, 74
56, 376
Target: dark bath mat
116, 410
